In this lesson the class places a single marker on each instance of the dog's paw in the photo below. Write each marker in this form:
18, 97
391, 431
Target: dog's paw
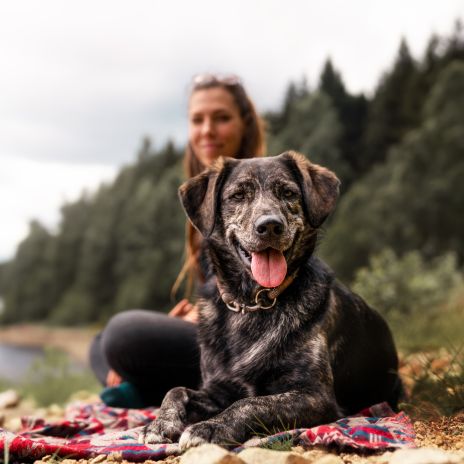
160, 431
206, 432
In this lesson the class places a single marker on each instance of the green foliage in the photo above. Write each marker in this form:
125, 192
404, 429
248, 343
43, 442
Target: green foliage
422, 300
276, 121
392, 111
51, 380
401, 286
414, 200
313, 129
29, 298
433, 328
352, 113
5, 384
281, 442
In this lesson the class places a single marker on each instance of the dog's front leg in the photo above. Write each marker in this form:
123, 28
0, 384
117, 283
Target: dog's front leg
268, 414
180, 407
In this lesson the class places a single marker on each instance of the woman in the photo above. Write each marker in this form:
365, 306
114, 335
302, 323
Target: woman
140, 354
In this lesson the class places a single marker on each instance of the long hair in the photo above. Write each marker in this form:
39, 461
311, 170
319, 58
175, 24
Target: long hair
252, 145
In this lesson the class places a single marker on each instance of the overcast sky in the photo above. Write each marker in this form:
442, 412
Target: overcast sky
82, 81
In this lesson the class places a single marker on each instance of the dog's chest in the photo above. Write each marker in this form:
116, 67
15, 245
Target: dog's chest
259, 348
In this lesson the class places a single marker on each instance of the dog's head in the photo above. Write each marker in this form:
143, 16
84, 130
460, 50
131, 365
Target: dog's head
264, 209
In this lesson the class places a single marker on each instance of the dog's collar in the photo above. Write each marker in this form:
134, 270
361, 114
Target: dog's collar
263, 294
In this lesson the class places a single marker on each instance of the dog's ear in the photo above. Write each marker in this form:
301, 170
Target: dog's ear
200, 196
319, 186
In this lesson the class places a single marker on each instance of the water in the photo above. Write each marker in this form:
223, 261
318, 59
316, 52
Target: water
15, 361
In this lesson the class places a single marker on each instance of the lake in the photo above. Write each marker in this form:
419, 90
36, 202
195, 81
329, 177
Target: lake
15, 361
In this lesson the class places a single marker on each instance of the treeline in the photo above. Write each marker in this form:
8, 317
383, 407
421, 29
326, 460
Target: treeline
116, 249
399, 153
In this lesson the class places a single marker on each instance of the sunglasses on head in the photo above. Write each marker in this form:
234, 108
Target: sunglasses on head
206, 79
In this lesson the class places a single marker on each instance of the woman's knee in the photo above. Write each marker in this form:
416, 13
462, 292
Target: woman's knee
118, 335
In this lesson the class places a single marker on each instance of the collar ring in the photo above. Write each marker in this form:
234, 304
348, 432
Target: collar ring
260, 303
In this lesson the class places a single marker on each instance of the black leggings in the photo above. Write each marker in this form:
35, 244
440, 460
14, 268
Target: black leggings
151, 350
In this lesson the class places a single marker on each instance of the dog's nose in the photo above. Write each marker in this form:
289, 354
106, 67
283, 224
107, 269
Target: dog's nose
269, 226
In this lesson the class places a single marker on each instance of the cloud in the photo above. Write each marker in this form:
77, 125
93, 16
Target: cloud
31, 189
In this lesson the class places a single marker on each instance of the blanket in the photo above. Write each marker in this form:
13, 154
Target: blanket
90, 430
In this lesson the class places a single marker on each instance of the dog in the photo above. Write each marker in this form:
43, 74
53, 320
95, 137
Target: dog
283, 344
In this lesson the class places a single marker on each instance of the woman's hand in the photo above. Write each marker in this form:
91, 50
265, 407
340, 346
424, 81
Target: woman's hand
185, 310
113, 379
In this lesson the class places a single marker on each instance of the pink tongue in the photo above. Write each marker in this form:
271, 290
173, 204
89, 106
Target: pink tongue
268, 267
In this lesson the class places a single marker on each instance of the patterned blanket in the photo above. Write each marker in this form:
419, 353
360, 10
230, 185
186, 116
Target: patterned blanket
93, 429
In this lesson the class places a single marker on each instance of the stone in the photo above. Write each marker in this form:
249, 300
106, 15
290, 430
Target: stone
14, 424
267, 456
9, 399
313, 455
209, 454
329, 459
116, 457
424, 456
98, 459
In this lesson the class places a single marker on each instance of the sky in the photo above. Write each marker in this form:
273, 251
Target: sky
81, 82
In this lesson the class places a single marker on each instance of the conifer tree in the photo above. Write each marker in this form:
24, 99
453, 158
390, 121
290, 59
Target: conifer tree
31, 291
414, 200
352, 114
391, 112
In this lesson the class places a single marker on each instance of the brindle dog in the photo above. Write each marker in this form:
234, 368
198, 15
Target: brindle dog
283, 344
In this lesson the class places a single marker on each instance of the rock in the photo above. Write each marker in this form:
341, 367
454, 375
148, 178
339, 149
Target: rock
329, 459
98, 459
424, 456
14, 424
209, 454
116, 457
267, 456
55, 411
314, 454
9, 399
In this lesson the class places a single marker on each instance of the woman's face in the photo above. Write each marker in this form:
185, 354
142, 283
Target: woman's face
215, 125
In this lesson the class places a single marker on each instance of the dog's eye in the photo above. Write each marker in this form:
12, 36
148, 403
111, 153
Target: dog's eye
238, 196
288, 194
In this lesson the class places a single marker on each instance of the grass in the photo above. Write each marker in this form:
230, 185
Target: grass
52, 380
436, 384
283, 441
430, 329
433, 361
5, 384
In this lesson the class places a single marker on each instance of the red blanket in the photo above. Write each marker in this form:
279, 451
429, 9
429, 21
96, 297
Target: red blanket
90, 430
